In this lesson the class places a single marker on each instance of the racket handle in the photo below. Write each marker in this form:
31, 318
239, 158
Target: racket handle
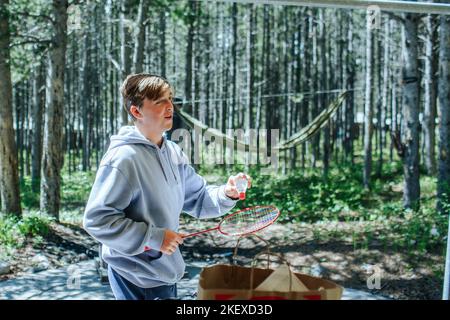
200, 232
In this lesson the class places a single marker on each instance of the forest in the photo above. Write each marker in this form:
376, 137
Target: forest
354, 104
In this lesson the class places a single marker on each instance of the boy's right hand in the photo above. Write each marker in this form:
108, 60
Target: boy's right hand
171, 242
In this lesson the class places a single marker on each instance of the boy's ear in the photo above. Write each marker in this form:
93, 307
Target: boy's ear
135, 112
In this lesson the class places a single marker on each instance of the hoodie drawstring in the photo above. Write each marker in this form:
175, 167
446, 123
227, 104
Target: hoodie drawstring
162, 166
171, 164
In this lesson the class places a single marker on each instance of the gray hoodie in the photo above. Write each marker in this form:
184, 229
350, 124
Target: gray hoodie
140, 190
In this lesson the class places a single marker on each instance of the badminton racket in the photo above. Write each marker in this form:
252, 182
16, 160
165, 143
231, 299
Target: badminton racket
245, 221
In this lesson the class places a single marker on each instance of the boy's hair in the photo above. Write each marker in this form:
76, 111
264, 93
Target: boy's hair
137, 87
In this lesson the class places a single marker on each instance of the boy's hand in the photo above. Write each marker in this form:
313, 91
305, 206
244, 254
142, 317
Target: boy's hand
171, 242
230, 187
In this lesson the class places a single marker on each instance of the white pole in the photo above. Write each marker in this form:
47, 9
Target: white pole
445, 294
394, 6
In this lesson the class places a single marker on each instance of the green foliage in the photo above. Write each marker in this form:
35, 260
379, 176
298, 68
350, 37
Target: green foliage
305, 195
75, 188
378, 214
10, 235
29, 198
34, 224
421, 230
14, 231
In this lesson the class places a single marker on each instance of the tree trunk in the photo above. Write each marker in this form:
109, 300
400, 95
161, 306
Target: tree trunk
139, 37
323, 80
52, 158
85, 92
124, 52
314, 109
349, 84
208, 88
306, 34
188, 67
394, 106
368, 108
36, 145
443, 186
267, 75
384, 95
113, 103
429, 114
232, 105
410, 124
27, 125
196, 103
162, 26
251, 41
300, 117
20, 110
9, 175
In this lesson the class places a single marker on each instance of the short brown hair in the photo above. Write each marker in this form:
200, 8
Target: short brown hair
137, 87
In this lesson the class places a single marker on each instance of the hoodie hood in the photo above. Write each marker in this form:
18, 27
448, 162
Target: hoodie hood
131, 135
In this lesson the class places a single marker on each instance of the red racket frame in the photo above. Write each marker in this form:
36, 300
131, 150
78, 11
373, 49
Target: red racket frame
235, 213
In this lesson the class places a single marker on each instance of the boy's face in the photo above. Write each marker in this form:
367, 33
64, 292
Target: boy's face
157, 115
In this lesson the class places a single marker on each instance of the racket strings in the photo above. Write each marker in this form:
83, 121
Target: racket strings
248, 221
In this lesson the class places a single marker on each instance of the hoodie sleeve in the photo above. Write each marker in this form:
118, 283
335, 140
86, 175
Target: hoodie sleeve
203, 201
106, 221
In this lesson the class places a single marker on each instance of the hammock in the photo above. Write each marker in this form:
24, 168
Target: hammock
304, 134
318, 123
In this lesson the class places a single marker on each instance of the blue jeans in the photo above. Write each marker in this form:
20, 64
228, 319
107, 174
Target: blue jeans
125, 290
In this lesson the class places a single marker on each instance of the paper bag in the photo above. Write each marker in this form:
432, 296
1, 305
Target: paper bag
231, 282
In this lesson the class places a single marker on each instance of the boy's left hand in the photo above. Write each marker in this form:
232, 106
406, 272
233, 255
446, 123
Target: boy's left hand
230, 187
